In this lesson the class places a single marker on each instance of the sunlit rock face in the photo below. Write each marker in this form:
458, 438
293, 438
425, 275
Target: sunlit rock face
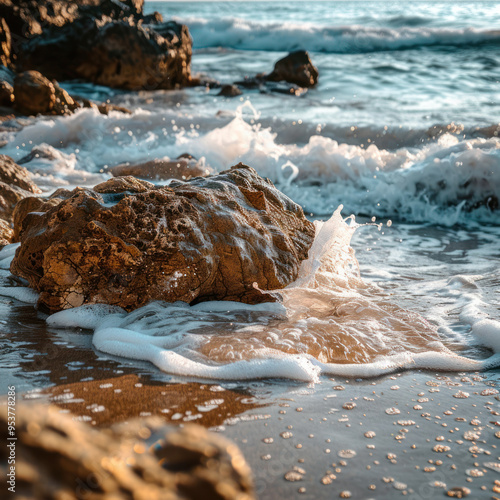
58, 457
128, 242
15, 185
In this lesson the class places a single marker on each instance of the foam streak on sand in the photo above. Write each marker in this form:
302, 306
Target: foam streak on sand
327, 322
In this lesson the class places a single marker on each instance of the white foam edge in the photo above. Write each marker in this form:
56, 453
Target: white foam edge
20, 293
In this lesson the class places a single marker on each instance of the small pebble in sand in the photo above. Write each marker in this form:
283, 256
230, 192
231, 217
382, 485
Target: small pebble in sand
399, 486
438, 484
406, 423
441, 448
293, 476
339, 388
268, 440
489, 392
474, 473
392, 411
461, 395
345, 494
497, 434
302, 490
349, 406
471, 435
328, 478
394, 387
266, 457
370, 434
286, 435
458, 492
417, 407
391, 456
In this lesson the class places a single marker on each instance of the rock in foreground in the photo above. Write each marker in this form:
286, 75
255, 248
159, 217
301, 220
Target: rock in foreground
128, 242
57, 457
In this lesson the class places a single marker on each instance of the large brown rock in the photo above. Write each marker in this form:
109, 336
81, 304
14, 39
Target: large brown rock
128, 242
34, 94
60, 458
295, 68
118, 53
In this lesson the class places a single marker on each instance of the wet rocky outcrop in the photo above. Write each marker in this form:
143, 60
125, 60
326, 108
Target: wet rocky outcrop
107, 42
128, 242
182, 168
116, 53
15, 185
5, 43
58, 457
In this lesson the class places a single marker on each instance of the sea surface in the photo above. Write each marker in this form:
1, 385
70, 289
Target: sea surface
401, 132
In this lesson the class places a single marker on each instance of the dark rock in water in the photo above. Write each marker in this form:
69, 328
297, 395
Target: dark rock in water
230, 91
293, 74
160, 169
5, 43
296, 68
34, 94
58, 457
6, 233
116, 53
6, 94
128, 242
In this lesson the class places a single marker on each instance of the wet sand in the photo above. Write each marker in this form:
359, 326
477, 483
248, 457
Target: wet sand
412, 434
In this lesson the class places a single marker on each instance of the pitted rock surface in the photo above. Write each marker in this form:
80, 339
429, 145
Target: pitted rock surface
58, 457
128, 242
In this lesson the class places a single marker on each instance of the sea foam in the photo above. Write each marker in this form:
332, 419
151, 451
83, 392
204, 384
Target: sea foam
329, 321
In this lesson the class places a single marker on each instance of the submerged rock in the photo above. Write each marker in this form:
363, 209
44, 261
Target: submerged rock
163, 169
58, 457
128, 242
229, 91
296, 68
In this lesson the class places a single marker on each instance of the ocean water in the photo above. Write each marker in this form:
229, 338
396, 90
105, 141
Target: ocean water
401, 132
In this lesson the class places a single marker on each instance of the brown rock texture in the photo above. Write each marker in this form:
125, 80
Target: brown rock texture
5, 43
6, 94
34, 94
15, 185
128, 242
295, 68
58, 457
119, 53
160, 169
6, 233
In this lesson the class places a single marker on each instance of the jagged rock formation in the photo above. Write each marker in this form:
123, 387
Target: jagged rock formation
58, 457
128, 242
107, 42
